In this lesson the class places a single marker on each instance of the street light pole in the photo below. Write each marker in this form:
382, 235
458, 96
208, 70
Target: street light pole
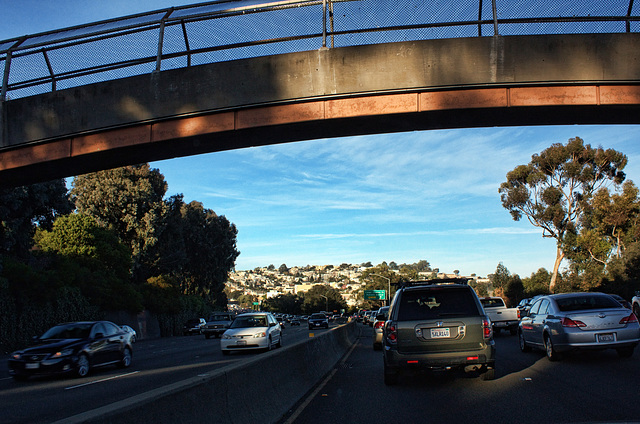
389, 291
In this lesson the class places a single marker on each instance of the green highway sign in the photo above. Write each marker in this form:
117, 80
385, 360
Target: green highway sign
375, 294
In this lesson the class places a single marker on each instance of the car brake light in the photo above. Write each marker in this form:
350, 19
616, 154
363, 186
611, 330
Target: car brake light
568, 322
472, 358
378, 324
487, 331
392, 333
631, 318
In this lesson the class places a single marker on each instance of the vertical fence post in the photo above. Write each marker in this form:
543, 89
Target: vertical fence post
324, 23
629, 14
160, 41
479, 18
4, 132
495, 17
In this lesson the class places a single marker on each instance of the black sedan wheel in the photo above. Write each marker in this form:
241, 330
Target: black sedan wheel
83, 365
126, 358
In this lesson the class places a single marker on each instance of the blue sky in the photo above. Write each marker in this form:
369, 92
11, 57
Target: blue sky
429, 195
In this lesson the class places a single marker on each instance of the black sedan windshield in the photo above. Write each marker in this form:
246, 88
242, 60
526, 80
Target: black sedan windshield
68, 331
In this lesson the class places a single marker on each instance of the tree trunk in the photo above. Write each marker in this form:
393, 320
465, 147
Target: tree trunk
556, 267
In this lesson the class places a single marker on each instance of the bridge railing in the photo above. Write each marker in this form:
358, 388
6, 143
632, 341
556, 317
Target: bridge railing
235, 29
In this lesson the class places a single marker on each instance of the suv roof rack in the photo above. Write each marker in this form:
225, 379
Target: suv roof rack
434, 281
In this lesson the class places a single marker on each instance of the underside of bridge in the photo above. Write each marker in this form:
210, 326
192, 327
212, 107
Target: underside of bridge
384, 88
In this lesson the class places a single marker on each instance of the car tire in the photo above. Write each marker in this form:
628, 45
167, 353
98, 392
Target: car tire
377, 347
488, 374
207, 336
125, 362
390, 376
225, 352
269, 344
636, 310
279, 344
625, 352
524, 347
513, 331
20, 377
550, 350
83, 367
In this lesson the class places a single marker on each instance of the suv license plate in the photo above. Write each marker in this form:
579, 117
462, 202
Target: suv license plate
32, 366
606, 338
440, 333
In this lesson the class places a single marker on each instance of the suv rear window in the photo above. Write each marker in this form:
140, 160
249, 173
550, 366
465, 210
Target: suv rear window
436, 302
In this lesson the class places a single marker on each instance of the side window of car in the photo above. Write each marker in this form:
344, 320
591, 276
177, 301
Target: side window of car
110, 329
544, 307
535, 308
97, 329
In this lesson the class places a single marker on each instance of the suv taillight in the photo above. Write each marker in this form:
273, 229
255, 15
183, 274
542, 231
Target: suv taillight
392, 332
378, 324
487, 330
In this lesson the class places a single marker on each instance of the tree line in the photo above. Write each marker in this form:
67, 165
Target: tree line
113, 242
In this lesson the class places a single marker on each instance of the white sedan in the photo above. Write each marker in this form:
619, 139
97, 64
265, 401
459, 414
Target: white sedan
259, 330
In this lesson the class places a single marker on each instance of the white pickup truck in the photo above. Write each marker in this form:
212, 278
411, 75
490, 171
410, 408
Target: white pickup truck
501, 317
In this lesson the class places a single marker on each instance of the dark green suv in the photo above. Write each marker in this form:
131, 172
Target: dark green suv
437, 325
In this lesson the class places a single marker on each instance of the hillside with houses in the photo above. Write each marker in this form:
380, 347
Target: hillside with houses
350, 280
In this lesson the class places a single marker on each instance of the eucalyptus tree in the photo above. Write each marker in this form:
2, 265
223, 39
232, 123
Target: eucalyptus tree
555, 188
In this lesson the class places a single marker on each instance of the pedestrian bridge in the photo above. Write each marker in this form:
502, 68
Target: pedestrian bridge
227, 75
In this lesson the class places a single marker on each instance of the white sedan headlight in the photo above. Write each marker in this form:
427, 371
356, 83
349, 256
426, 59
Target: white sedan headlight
260, 334
226, 336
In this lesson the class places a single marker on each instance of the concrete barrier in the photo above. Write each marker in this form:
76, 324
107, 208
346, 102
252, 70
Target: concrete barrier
260, 390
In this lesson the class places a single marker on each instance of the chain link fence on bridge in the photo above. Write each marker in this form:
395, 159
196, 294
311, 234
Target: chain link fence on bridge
230, 30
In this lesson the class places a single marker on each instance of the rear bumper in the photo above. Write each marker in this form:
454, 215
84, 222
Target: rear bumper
484, 357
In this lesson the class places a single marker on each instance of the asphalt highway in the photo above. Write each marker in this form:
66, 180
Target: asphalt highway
156, 363
582, 388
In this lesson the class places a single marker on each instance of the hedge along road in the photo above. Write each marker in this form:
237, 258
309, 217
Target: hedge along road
585, 387
156, 363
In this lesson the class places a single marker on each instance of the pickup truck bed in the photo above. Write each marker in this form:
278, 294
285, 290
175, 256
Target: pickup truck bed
501, 317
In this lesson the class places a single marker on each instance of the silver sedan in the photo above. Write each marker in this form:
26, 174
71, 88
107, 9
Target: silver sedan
573, 321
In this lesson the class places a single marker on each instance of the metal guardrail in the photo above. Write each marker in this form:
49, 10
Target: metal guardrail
234, 29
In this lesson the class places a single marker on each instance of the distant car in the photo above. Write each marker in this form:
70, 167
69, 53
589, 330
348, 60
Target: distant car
193, 326
295, 321
74, 347
318, 321
131, 331
566, 322
217, 324
378, 327
252, 331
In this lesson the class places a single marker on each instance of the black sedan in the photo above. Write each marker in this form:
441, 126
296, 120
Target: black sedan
318, 321
73, 348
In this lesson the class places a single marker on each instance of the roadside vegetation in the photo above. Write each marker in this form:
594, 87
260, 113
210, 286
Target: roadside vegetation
114, 242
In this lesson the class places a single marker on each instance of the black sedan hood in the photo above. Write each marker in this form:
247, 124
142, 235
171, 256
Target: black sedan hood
50, 345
